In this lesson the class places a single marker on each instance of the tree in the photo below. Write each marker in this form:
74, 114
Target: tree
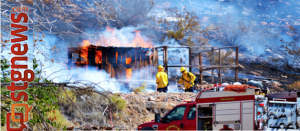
183, 26
63, 19
289, 52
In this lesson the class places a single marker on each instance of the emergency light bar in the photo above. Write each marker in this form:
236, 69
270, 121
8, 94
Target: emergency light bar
282, 102
188, 101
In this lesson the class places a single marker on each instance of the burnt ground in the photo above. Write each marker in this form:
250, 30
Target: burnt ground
259, 70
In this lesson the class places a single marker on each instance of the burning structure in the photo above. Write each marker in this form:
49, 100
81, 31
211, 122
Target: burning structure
119, 62
121, 57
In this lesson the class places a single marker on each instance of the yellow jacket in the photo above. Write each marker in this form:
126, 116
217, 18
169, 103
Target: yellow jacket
161, 79
185, 78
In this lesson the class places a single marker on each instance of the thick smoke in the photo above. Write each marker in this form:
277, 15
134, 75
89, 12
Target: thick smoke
124, 37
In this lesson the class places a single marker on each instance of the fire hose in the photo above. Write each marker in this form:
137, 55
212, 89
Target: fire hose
184, 80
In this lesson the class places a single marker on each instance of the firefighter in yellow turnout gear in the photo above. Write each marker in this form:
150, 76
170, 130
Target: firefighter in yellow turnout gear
188, 79
162, 80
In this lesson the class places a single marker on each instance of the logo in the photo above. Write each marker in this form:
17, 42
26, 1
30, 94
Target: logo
226, 99
19, 72
173, 127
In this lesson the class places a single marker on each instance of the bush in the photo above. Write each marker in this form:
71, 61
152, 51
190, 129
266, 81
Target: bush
140, 89
295, 85
118, 101
56, 115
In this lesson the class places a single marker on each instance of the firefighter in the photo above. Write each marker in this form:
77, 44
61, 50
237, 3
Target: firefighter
265, 86
188, 79
225, 127
208, 125
161, 80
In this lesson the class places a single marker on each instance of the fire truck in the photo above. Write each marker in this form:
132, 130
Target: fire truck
235, 107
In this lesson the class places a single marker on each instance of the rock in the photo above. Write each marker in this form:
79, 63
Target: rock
173, 105
178, 100
166, 99
244, 80
149, 105
105, 128
70, 128
284, 76
158, 100
151, 98
87, 127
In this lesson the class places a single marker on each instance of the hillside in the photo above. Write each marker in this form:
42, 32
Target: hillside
141, 107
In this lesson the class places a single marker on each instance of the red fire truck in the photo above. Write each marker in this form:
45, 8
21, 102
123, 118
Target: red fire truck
232, 107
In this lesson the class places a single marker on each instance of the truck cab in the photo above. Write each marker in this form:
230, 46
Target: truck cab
181, 117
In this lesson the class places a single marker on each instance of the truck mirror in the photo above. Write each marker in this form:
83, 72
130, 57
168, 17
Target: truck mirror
157, 117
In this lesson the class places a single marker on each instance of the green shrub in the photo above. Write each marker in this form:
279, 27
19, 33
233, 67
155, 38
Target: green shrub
118, 101
140, 89
56, 115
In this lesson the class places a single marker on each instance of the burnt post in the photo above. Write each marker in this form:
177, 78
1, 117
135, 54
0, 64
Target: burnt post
155, 61
200, 69
212, 62
113, 62
91, 55
220, 74
103, 58
79, 59
69, 58
108, 61
190, 59
166, 58
236, 63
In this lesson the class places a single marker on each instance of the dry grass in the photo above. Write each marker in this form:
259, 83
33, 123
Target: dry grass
140, 89
295, 85
275, 85
58, 117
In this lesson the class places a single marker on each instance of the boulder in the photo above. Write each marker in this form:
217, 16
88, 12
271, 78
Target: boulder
244, 80
151, 98
70, 128
149, 105
166, 99
86, 127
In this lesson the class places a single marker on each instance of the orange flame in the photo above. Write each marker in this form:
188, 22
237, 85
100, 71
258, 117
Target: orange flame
98, 57
128, 73
128, 60
84, 51
116, 57
112, 40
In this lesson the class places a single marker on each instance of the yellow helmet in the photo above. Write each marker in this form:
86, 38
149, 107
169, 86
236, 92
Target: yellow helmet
182, 69
160, 66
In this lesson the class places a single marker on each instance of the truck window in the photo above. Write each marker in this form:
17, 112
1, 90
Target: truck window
177, 113
192, 113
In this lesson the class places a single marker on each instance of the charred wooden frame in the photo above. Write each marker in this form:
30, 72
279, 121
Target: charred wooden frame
116, 60
113, 60
200, 66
